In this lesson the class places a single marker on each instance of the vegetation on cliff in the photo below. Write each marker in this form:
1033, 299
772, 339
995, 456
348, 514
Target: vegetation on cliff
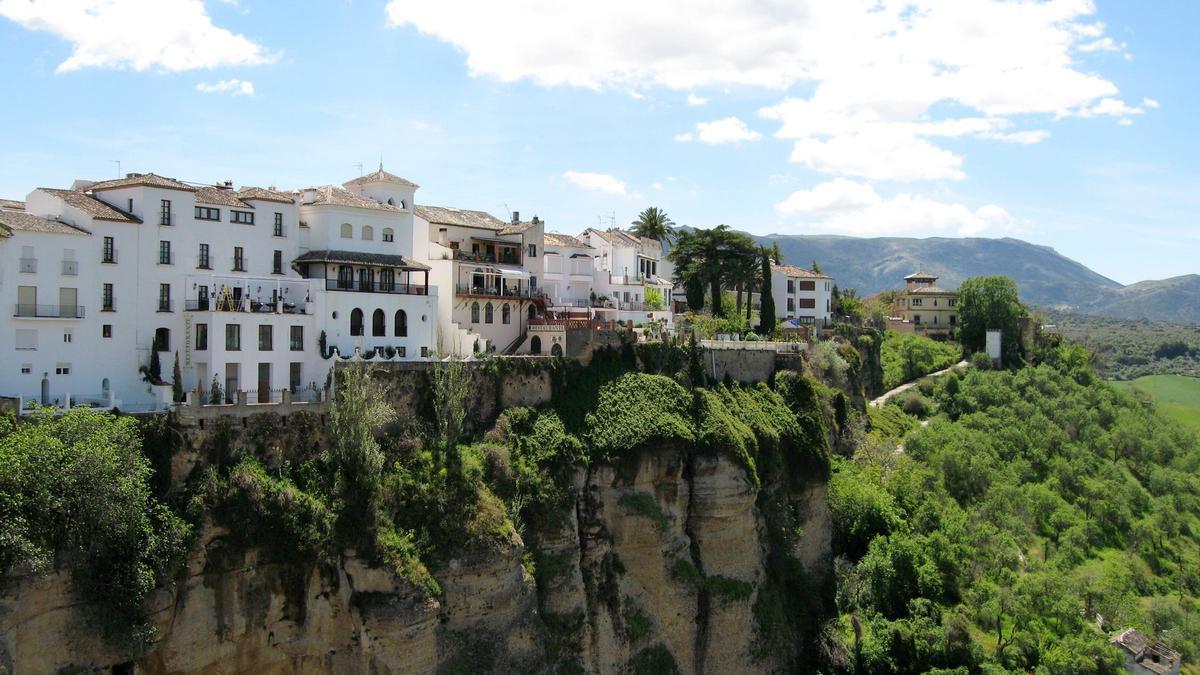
1038, 511
907, 356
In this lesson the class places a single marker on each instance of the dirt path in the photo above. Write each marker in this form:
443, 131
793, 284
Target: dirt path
909, 385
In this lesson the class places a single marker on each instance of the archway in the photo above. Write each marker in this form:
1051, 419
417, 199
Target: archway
401, 324
556, 350
378, 329
356, 322
535, 345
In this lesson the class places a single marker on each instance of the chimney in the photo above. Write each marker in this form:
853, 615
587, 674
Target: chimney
535, 220
516, 217
225, 184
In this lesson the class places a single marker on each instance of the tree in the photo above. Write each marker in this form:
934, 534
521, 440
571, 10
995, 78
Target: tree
359, 411
991, 303
708, 258
215, 395
654, 299
776, 254
176, 381
693, 289
654, 223
155, 366
451, 386
816, 268
766, 298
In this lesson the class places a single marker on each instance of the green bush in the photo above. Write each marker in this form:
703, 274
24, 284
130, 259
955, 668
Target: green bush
908, 356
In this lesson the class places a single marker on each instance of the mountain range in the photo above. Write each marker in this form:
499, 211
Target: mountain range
1046, 277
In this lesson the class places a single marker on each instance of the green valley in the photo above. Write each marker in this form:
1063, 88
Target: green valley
1178, 397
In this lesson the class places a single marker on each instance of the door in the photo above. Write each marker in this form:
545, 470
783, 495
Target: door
68, 302
231, 382
264, 383
294, 377
26, 300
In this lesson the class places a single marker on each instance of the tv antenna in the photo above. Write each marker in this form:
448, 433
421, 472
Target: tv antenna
360, 168
118, 163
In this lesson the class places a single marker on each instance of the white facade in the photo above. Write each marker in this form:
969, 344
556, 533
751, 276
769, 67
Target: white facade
801, 294
569, 270
625, 267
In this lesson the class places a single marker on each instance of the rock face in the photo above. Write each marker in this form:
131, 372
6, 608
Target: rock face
656, 561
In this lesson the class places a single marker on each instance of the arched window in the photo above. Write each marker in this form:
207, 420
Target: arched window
505, 314
487, 313
347, 231
535, 345
401, 326
474, 312
162, 339
356, 322
391, 202
532, 312
556, 350
368, 233
389, 234
377, 323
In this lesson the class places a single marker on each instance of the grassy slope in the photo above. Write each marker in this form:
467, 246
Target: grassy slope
1178, 397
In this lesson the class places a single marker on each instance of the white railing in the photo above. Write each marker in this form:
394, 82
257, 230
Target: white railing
757, 345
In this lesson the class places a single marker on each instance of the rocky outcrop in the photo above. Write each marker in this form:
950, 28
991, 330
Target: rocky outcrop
656, 560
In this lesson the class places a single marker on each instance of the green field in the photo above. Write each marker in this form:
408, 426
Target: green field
1177, 396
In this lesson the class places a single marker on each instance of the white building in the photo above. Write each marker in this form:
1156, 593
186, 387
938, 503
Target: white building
569, 269
626, 268
801, 294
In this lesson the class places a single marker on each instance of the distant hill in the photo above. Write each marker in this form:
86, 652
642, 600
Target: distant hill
1046, 277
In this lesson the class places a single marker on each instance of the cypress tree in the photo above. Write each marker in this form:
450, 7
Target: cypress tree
766, 306
176, 381
155, 366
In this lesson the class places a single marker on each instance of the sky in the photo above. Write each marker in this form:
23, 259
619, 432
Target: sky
1066, 123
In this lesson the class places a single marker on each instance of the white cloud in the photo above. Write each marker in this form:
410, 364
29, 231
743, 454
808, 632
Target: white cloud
693, 99
169, 35
846, 207
727, 130
883, 73
599, 182
657, 185
1111, 106
1150, 103
234, 87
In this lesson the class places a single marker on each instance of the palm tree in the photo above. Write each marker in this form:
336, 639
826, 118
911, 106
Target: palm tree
654, 223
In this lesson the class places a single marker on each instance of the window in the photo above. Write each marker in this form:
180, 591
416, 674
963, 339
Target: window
791, 305
164, 253
110, 251
387, 280
401, 324
165, 215
106, 330
265, 338
368, 233
366, 279
107, 298
951, 302
202, 261
164, 297
533, 250
808, 285
951, 319
68, 336
916, 319
26, 368
277, 229
916, 302
130, 208
63, 368
505, 314
201, 337
474, 312
345, 278
239, 259
277, 263
388, 234
356, 322
243, 217
206, 213
162, 339
791, 286
26, 339
296, 342
487, 313
347, 231
294, 378
233, 337
377, 323
807, 303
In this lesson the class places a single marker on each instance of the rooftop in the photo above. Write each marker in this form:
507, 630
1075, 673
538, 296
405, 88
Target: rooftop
931, 290
1153, 655
619, 236
265, 195
791, 271
220, 197
92, 206
12, 204
448, 215
557, 239
141, 179
920, 276
380, 176
361, 258
336, 196
14, 221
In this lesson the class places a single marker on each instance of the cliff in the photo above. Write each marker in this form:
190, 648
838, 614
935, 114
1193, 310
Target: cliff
698, 549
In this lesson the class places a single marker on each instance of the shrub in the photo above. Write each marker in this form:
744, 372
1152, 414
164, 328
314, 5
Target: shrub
981, 361
907, 356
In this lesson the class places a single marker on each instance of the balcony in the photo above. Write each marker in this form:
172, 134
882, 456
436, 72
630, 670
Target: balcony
29, 265
49, 311
165, 305
110, 257
462, 289
239, 264
70, 268
243, 305
487, 257
377, 287
166, 257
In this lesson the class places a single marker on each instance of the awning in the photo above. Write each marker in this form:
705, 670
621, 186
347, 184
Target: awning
519, 274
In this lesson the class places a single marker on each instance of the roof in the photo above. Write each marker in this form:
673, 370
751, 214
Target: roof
556, 239
336, 196
141, 179
265, 195
380, 176
12, 204
931, 290
619, 236
921, 275
92, 206
518, 228
25, 222
448, 215
361, 258
220, 197
1153, 655
789, 270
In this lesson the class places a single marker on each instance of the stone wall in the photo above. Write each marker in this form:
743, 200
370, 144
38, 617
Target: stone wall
743, 365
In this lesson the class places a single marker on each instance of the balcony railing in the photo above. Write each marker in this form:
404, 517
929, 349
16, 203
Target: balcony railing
29, 265
462, 289
165, 305
109, 257
239, 264
70, 268
166, 257
377, 287
243, 305
487, 257
49, 311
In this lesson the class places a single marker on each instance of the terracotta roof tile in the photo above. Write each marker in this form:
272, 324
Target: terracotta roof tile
145, 179
932, 290
265, 195
556, 239
380, 176
448, 215
92, 206
361, 258
12, 204
19, 221
792, 271
220, 197
921, 275
336, 196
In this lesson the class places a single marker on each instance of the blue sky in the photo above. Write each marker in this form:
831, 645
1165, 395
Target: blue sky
1063, 123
